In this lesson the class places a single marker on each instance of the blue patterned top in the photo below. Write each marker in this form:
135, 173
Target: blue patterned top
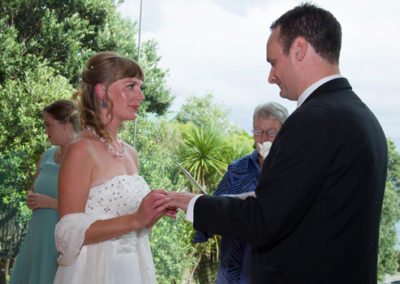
242, 176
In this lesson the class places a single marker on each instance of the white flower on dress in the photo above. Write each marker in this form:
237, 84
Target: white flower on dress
263, 148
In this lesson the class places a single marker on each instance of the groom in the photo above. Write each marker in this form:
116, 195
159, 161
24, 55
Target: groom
315, 218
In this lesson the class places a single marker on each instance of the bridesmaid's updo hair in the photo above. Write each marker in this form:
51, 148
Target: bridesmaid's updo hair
64, 111
104, 67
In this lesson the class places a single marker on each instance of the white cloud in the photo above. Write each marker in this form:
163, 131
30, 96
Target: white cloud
219, 47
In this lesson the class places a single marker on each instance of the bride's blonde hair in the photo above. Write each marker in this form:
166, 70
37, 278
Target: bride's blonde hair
104, 67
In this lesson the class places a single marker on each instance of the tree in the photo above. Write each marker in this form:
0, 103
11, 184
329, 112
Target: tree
393, 174
388, 256
63, 34
206, 152
202, 153
158, 98
388, 239
240, 142
21, 128
211, 141
203, 111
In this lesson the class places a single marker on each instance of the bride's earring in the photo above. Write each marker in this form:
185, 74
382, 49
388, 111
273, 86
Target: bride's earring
104, 103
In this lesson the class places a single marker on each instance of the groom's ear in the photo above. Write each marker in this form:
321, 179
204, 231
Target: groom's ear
299, 48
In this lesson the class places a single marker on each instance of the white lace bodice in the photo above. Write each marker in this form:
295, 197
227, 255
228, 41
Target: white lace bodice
118, 196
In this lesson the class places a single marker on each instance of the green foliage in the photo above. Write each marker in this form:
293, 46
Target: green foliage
202, 111
207, 255
206, 152
388, 239
10, 51
211, 142
393, 174
158, 98
13, 212
21, 128
157, 143
241, 143
202, 153
173, 254
63, 34
387, 259
9, 182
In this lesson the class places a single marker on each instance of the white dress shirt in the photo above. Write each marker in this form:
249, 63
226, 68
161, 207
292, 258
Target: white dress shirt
307, 92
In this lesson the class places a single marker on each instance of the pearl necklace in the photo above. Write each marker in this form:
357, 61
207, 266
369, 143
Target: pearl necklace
110, 148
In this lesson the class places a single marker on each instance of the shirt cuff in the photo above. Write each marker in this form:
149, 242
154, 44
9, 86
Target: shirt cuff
190, 208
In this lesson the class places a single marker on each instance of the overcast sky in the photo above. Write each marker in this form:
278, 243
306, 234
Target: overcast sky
219, 47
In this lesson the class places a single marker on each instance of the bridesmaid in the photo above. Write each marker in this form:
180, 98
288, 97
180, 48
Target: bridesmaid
36, 262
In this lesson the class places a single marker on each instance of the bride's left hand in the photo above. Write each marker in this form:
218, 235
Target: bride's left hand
152, 208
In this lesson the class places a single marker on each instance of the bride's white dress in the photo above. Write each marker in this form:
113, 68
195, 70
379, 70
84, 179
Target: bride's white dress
122, 260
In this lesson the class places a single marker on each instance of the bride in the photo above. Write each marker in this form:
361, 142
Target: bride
105, 206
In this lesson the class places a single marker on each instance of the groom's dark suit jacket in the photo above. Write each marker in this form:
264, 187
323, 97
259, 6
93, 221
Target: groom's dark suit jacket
317, 211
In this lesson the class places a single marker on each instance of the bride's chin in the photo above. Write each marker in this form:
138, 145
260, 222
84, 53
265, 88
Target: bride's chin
131, 116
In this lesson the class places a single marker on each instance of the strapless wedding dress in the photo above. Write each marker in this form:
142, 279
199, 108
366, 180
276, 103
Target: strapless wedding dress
122, 260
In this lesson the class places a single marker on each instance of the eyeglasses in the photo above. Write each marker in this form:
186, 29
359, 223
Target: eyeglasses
269, 132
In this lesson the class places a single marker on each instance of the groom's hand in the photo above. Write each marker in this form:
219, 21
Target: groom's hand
179, 199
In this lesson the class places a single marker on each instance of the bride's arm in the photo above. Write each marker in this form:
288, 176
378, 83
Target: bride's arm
151, 209
74, 184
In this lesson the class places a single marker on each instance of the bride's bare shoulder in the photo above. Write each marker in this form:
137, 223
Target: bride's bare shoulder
82, 147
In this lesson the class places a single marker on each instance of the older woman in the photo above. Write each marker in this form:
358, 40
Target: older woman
241, 178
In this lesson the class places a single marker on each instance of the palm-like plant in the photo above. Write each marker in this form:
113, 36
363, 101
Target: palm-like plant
203, 152
206, 152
